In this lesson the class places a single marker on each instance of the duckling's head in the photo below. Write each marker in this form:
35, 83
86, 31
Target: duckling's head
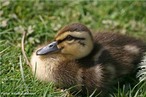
74, 41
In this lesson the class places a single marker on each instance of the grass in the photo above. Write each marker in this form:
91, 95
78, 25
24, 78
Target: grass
42, 19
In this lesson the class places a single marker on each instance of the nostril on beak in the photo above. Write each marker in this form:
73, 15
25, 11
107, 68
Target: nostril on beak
50, 46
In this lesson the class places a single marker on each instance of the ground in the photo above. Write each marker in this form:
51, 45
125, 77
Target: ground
41, 19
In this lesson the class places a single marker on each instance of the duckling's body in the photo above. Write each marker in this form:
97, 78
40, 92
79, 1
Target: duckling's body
89, 63
65, 74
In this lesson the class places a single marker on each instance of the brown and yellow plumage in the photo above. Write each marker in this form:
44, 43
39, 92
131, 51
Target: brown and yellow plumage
76, 58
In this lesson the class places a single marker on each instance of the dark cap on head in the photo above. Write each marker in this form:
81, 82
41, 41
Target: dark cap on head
78, 27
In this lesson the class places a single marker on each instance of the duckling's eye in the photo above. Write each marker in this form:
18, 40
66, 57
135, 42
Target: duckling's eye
69, 38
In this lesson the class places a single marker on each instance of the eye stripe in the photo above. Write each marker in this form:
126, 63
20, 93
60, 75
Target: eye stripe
59, 41
76, 38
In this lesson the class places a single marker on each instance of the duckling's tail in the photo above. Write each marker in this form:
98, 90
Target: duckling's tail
142, 72
22, 48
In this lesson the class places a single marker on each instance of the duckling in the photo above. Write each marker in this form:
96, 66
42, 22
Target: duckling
76, 58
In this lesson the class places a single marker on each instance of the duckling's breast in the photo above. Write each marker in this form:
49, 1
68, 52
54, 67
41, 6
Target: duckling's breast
54, 68
43, 67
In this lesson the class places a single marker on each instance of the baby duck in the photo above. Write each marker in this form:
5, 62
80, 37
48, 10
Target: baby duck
76, 58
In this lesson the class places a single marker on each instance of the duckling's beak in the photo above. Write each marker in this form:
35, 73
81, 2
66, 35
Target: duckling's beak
52, 47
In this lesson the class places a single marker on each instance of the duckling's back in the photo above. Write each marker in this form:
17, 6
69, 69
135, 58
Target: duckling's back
125, 52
